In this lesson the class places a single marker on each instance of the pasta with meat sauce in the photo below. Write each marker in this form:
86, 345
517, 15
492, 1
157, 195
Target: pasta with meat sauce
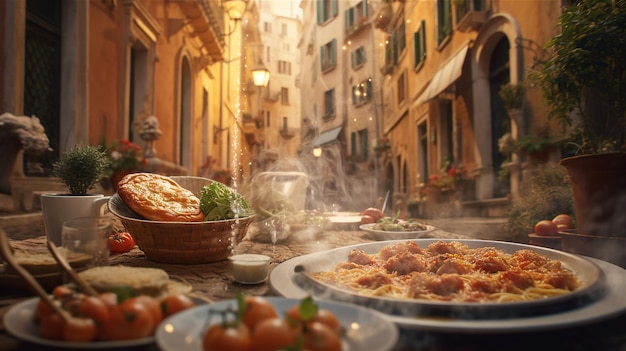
450, 271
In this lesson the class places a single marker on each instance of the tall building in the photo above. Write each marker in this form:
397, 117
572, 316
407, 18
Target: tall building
341, 85
280, 28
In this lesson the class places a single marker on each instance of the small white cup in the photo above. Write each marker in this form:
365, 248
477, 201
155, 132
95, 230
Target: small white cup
250, 268
87, 236
58, 208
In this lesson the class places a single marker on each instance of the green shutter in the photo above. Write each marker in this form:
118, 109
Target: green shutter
320, 11
361, 55
333, 7
394, 47
333, 52
365, 144
416, 49
423, 38
354, 95
353, 144
364, 8
447, 11
322, 56
370, 89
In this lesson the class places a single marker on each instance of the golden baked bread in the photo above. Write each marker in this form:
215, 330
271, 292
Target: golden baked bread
159, 198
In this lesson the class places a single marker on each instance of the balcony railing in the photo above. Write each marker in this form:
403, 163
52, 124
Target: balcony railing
288, 133
469, 14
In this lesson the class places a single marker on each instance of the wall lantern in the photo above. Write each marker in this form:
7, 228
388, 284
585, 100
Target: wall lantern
235, 8
260, 75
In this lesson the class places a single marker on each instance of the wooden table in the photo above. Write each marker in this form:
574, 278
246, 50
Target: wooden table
214, 282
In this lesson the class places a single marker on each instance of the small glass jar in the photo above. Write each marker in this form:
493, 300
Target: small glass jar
250, 268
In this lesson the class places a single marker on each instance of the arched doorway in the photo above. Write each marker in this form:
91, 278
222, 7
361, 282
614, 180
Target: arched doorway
499, 74
494, 62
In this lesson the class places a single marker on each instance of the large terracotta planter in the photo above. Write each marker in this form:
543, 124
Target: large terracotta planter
599, 189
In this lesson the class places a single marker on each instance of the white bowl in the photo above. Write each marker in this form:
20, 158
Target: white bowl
250, 268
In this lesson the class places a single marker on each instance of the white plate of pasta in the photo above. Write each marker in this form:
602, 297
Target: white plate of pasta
587, 301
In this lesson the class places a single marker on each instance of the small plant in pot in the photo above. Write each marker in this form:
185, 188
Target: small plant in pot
80, 169
584, 82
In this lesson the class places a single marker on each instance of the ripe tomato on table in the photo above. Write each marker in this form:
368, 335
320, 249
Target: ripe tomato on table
121, 242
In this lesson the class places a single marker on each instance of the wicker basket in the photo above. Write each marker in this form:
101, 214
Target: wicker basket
182, 242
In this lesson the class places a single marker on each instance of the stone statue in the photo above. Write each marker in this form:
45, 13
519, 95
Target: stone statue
18, 134
149, 133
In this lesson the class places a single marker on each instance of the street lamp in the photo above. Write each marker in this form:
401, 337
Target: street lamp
260, 74
261, 77
235, 10
317, 151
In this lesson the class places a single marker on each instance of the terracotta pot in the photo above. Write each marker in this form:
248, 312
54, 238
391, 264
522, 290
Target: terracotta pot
606, 248
599, 189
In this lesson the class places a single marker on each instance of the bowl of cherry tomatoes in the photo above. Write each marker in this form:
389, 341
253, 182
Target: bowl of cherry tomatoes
250, 323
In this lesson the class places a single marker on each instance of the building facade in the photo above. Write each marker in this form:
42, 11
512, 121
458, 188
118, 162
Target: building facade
437, 102
95, 70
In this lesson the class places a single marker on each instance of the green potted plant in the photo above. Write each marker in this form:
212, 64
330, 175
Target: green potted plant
80, 169
512, 95
537, 146
583, 81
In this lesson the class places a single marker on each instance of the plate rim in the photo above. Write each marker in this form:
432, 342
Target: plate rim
23, 334
610, 303
391, 338
394, 235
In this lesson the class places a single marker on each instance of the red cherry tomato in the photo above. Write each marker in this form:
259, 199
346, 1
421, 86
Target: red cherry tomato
232, 338
563, 221
546, 227
257, 309
129, 320
365, 219
121, 242
173, 304
373, 212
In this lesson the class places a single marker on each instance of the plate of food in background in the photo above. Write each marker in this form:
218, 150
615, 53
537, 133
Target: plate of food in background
390, 228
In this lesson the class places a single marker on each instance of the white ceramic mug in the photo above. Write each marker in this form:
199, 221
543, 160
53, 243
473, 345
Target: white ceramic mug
58, 208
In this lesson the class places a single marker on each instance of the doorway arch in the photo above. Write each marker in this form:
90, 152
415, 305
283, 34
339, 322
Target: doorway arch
497, 33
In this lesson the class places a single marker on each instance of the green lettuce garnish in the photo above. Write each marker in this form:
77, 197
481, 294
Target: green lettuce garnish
219, 202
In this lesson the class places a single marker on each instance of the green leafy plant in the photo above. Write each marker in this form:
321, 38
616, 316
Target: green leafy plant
533, 143
584, 77
512, 95
126, 156
219, 202
81, 167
